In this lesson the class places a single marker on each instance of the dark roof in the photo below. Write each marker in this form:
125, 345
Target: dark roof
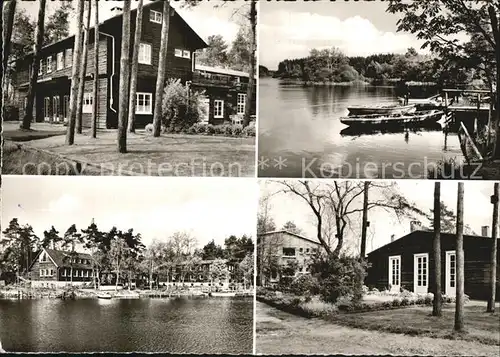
290, 233
419, 234
201, 42
61, 258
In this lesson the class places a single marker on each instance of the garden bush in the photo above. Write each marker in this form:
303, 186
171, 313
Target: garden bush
318, 308
304, 284
210, 129
149, 128
237, 129
249, 130
339, 276
396, 302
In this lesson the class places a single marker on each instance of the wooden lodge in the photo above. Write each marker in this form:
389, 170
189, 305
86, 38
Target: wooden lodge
54, 77
407, 263
53, 268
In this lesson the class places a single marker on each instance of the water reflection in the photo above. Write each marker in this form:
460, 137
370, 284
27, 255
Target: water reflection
300, 126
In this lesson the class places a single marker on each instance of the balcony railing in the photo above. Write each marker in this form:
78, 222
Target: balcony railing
219, 81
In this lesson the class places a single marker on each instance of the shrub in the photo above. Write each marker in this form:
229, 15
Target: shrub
396, 302
405, 301
210, 129
317, 307
428, 299
375, 290
420, 300
365, 290
181, 107
237, 129
387, 304
11, 112
339, 276
249, 130
304, 284
149, 128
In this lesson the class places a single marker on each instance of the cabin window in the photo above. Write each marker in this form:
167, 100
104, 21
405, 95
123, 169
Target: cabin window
69, 57
452, 270
144, 103
218, 108
301, 250
86, 273
186, 54
25, 102
40, 69
240, 108
155, 16
51, 272
63, 272
289, 252
41, 272
395, 272
49, 64
87, 103
145, 53
75, 272
44, 257
60, 60
178, 52
307, 250
182, 53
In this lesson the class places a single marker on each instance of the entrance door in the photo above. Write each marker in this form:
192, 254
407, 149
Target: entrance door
450, 273
56, 101
206, 108
46, 109
421, 273
395, 273
65, 112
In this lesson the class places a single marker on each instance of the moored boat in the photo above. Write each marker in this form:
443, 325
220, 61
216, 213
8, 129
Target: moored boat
223, 293
104, 296
381, 109
421, 117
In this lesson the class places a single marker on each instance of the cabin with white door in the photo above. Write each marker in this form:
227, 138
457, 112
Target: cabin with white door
408, 263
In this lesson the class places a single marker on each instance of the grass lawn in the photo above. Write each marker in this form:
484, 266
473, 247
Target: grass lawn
416, 320
168, 155
282, 333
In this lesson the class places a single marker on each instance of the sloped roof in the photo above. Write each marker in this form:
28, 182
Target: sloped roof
418, 234
290, 233
61, 258
201, 42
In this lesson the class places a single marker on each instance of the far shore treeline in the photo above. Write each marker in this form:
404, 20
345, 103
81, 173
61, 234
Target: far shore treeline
122, 254
332, 66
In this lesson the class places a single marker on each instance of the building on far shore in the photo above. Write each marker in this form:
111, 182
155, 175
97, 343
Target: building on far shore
53, 268
407, 263
277, 249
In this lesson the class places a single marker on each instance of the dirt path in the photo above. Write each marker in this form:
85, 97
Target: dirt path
282, 333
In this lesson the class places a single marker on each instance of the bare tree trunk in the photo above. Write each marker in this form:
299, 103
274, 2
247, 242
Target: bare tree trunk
437, 303
124, 79
135, 67
251, 77
459, 306
28, 114
83, 73
160, 80
365, 219
77, 53
8, 24
493, 262
495, 26
95, 89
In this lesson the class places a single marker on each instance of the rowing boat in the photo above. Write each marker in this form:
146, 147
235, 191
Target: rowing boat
381, 109
104, 296
428, 116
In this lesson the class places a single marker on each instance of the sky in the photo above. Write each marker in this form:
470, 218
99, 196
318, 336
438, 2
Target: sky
206, 18
292, 29
207, 208
477, 208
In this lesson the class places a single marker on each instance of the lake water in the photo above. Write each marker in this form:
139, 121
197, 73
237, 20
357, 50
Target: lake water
184, 325
300, 135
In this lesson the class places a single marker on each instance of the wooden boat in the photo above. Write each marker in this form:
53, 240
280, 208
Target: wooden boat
421, 117
104, 296
396, 129
382, 109
421, 101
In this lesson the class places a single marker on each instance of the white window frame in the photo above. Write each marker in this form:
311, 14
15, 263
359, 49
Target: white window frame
41, 273
216, 113
60, 61
240, 106
63, 272
67, 62
390, 276
450, 290
49, 64
40, 69
88, 104
178, 52
145, 55
186, 54
142, 109
155, 16
416, 287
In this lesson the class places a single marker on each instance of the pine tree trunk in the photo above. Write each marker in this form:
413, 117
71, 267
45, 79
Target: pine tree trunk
124, 79
437, 303
495, 26
135, 67
95, 89
8, 24
251, 78
459, 305
365, 219
83, 73
28, 114
493, 262
77, 53
162, 63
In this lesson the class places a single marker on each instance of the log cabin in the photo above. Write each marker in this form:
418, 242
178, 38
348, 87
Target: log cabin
52, 89
407, 263
53, 268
